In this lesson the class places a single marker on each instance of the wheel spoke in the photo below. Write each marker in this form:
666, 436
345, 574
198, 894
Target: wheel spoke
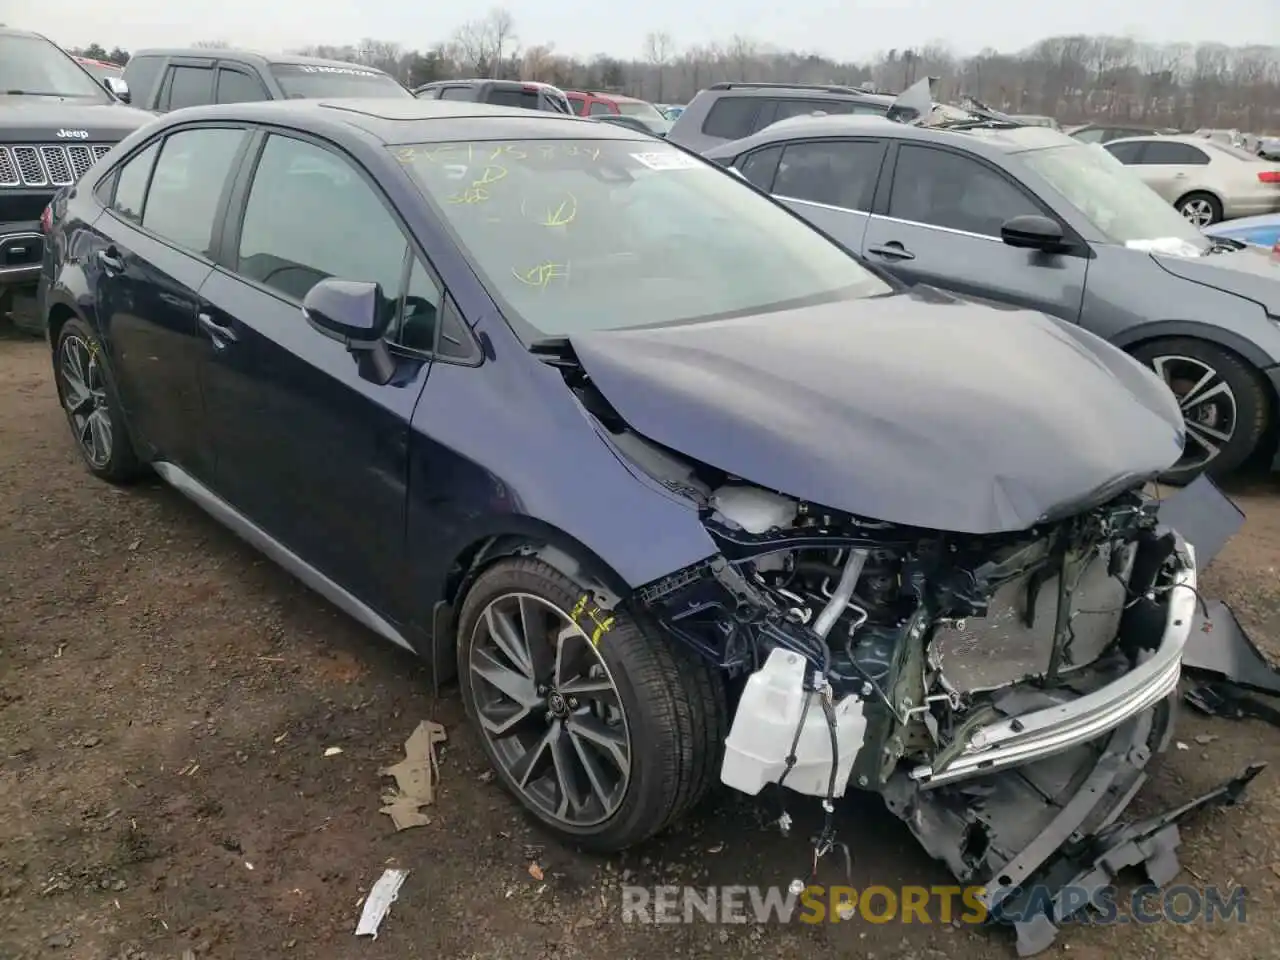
502, 628
533, 761
574, 657
591, 767
1196, 433
612, 741
508, 723
562, 762
513, 685
599, 690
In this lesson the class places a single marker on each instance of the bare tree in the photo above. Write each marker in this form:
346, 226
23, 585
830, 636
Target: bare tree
658, 49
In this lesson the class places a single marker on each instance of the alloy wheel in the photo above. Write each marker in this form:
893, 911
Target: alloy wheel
549, 709
84, 395
1199, 211
1208, 405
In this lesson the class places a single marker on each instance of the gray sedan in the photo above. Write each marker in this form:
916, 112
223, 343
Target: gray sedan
1034, 219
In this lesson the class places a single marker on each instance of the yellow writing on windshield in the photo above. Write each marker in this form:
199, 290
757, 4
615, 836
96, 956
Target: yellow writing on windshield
542, 275
477, 192
552, 214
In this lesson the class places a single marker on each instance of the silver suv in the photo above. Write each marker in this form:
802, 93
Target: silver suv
729, 111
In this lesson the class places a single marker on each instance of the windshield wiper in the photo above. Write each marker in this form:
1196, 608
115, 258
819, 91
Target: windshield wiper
36, 93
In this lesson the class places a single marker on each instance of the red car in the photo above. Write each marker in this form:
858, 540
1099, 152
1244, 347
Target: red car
594, 104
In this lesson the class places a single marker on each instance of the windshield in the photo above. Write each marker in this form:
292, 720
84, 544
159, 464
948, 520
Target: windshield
1230, 151
591, 234
307, 81
638, 109
34, 66
1109, 195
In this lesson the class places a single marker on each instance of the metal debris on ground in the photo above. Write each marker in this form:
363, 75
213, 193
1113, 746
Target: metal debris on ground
332, 751
416, 777
381, 897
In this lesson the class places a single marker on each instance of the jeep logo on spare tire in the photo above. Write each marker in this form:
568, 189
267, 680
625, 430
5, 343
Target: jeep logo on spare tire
72, 134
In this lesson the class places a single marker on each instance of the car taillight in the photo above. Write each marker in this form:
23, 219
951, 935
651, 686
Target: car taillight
1269, 176
46, 219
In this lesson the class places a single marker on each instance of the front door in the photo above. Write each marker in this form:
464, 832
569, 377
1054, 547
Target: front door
151, 255
942, 227
307, 449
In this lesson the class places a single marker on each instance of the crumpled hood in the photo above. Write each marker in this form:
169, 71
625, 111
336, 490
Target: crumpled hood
1251, 273
914, 408
38, 120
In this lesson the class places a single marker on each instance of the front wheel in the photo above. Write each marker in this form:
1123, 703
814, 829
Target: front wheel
1223, 401
604, 730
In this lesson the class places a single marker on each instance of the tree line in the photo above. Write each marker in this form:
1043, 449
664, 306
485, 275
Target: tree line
1071, 78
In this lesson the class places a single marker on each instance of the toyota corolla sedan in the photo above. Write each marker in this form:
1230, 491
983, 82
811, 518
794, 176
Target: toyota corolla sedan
679, 490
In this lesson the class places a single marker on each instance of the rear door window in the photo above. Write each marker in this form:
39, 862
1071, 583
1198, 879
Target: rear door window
1126, 151
731, 118
506, 97
800, 108
187, 185
131, 184
1172, 152
759, 166
598, 107
235, 86
455, 93
189, 87
838, 173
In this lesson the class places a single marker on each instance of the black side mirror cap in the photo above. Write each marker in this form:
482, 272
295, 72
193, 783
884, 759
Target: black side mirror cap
351, 312
1033, 232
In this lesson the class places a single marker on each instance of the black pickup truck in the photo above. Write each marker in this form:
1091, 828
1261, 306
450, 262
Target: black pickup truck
56, 121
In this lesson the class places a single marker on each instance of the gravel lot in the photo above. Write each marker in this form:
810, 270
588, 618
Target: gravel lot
167, 697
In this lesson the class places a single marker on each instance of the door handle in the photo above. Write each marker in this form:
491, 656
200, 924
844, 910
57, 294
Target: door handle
1180, 176
220, 335
111, 260
892, 250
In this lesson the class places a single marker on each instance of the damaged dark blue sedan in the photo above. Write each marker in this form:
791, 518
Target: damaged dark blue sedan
680, 490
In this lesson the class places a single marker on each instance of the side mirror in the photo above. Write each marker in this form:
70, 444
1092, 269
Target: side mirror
118, 88
1033, 232
350, 311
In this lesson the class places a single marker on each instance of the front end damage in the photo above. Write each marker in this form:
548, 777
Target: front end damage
1003, 693
1004, 688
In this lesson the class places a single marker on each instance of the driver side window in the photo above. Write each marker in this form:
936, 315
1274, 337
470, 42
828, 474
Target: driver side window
286, 247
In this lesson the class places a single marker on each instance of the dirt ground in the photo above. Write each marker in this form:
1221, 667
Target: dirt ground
167, 697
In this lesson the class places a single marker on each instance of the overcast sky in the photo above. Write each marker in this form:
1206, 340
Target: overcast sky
841, 28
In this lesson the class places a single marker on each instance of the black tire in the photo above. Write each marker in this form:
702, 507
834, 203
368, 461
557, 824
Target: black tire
675, 708
121, 465
1213, 204
1252, 416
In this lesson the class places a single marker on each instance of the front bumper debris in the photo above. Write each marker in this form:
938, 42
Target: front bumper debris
1041, 733
1031, 834
1074, 880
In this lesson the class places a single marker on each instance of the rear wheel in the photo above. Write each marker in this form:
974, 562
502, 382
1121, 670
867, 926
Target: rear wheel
603, 729
1201, 209
1223, 401
92, 411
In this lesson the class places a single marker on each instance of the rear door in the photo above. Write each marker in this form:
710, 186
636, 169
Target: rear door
939, 223
831, 184
306, 448
1171, 168
153, 252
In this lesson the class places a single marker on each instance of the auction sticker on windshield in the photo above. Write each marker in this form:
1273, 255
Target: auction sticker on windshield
666, 160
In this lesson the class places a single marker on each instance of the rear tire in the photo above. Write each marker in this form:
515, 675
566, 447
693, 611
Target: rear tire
1202, 209
97, 424
672, 720
1225, 404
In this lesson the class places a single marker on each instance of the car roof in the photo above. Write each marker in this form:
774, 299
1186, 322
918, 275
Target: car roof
396, 121
249, 56
989, 140
1163, 138
505, 83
